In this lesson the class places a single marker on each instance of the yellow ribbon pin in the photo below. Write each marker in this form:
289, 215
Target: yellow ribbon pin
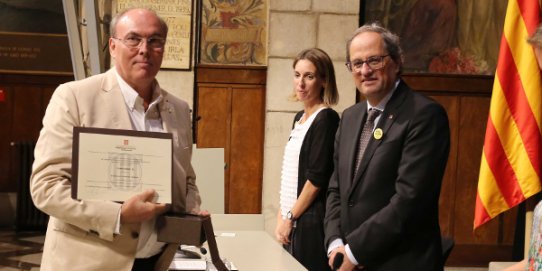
378, 133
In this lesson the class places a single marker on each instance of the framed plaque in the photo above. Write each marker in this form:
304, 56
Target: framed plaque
110, 164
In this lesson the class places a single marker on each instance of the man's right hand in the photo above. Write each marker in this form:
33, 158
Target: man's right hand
141, 207
346, 265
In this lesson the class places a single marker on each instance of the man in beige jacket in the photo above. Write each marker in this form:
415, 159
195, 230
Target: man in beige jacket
106, 235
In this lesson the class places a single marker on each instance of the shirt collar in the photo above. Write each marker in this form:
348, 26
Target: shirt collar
382, 105
131, 97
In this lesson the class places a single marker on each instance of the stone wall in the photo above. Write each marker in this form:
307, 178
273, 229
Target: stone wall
294, 26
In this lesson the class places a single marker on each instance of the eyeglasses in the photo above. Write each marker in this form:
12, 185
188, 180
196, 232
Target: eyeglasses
374, 62
136, 42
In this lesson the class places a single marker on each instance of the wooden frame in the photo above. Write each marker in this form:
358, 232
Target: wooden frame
230, 101
34, 53
33, 39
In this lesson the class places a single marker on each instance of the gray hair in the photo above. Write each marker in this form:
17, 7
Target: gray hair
118, 16
536, 39
391, 42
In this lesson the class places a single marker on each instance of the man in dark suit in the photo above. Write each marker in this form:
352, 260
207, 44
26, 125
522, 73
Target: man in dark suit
382, 208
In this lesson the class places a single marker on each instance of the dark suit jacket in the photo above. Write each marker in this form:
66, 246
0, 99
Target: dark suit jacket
388, 213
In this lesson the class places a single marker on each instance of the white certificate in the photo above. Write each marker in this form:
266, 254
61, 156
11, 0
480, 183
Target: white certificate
110, 164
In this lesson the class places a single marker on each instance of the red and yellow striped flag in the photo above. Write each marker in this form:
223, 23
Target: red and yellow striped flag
512, 155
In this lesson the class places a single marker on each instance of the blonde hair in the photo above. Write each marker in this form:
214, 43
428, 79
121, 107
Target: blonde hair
325, 70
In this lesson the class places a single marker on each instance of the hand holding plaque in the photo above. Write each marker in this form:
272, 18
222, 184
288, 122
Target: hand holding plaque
141, 207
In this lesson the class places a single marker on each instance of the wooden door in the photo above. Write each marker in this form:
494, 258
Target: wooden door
466, 100
25, 98
230, 114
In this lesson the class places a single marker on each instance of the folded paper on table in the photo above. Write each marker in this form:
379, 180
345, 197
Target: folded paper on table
188, 264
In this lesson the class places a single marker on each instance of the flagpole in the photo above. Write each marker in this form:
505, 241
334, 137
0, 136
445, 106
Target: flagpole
528, 226
530, 204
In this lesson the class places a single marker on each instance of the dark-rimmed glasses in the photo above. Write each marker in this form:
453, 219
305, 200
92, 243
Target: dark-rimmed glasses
136, 42
374, 62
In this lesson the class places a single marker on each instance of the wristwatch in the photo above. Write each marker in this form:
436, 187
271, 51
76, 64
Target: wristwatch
290, 216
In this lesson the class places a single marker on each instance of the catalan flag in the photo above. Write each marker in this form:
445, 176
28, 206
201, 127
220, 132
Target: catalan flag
510, 171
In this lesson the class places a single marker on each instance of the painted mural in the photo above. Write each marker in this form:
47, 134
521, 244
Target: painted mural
444, 36
233, 32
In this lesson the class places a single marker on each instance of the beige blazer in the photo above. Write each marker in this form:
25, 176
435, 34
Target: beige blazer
80, 234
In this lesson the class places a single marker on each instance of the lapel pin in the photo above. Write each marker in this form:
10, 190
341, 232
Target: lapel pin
378, 133
390, 116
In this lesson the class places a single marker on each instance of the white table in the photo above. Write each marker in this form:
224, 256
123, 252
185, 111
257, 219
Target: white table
499, 266
242, 240
254, 250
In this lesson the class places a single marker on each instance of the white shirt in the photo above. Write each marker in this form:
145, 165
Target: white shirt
290, 164
382, 105
149, 121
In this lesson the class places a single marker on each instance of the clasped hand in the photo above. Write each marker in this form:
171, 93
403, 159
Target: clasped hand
346, 264
141, 207
283, 230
